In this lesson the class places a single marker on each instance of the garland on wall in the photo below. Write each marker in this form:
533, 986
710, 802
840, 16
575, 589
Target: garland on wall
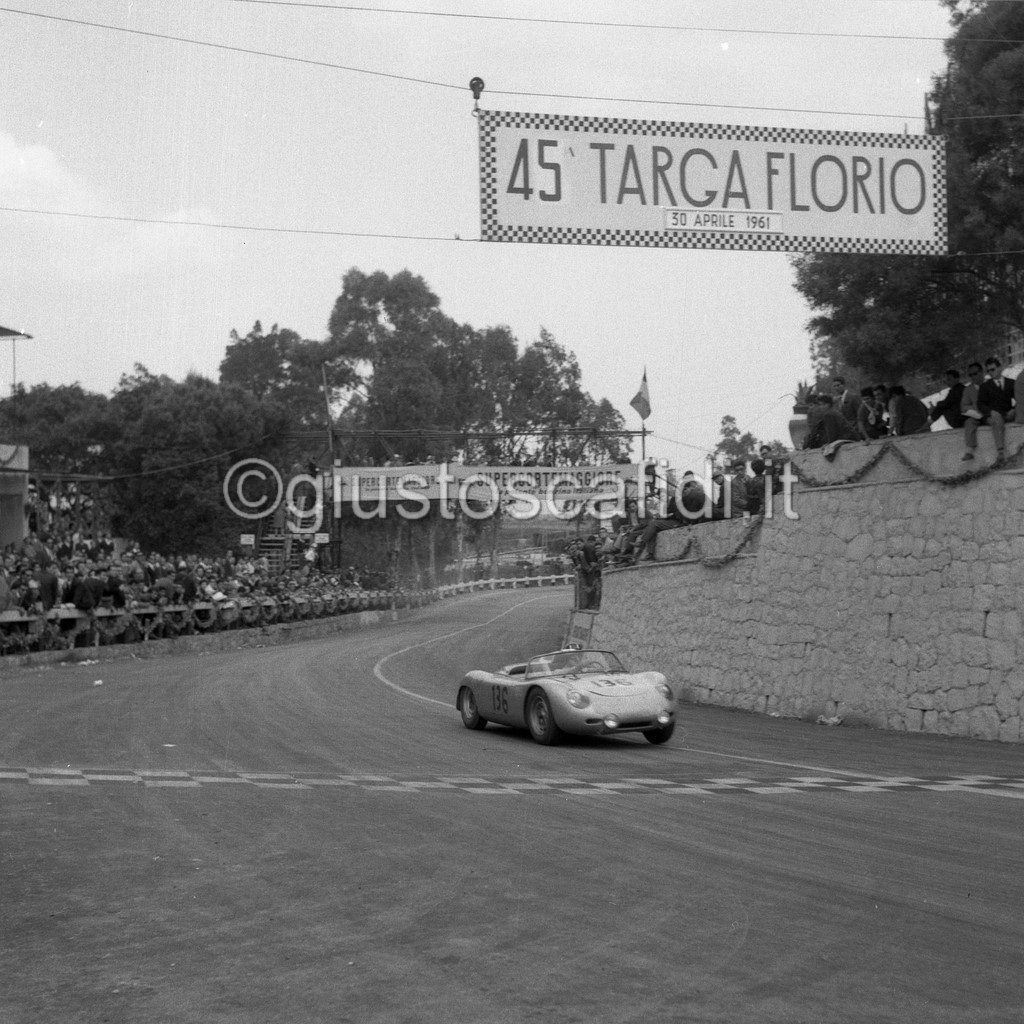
693, 544
889, 445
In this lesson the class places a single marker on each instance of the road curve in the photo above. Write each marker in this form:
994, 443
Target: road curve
307, 833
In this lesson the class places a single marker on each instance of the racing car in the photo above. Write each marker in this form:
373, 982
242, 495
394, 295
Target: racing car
586, 692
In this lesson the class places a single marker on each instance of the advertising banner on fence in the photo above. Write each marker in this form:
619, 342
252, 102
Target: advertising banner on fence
614, 181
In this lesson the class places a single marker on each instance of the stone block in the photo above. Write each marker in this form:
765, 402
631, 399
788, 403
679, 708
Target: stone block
1015, 681
960, 723
1005, 702
860, 548
984, 723
1002, 654
956, 700
1010, 730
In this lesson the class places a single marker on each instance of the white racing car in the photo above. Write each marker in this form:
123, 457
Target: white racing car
569, 691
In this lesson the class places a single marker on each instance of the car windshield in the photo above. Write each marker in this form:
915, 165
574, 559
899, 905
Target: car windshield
567, 663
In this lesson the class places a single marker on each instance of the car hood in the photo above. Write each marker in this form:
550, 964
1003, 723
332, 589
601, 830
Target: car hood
602, 684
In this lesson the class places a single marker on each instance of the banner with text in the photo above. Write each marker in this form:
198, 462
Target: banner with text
522, 490
614, 181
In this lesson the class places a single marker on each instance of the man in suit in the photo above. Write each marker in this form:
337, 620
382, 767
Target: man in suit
997, 389
845, 401
949, 405
981, 403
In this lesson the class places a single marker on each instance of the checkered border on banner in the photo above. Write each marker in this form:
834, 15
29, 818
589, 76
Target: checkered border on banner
492, 231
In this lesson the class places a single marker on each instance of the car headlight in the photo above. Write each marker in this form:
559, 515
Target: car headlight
665, 690
577, 699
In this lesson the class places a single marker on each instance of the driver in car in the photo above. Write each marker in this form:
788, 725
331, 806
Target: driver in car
565, 661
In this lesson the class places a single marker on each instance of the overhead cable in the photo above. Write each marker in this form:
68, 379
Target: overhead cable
586, 23
431, 82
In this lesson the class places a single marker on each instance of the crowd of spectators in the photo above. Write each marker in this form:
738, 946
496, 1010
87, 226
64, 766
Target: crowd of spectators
738, 490
879, 411
988, 398
87, 573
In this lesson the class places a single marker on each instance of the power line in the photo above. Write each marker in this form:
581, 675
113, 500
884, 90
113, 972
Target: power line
710, 106
582, 23
232, 227
539, 95
436, 84
341, 234
233, 49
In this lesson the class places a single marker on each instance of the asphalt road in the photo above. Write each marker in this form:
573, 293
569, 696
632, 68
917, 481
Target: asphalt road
308, 834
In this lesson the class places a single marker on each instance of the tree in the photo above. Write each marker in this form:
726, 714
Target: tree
735, 446
547, 396
173, 444
285, 369
65, 427
891, 316
438, 381
887, 317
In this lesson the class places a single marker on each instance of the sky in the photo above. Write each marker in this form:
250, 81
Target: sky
227, 161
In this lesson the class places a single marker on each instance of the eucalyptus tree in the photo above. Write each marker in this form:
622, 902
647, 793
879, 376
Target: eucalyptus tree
891, 316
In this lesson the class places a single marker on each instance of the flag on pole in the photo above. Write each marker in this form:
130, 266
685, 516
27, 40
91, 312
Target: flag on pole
642, 399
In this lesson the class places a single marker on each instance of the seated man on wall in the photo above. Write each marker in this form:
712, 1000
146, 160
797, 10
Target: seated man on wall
949, 406
830, 425
997, 390
907, 413
976, 405
870, 421
674, 518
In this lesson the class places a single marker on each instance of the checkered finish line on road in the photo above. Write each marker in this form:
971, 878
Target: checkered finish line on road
988, 785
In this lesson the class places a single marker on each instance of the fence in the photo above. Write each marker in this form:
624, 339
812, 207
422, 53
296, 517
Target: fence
66, 627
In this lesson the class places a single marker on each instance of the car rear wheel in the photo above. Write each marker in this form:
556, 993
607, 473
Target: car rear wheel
661, 735
540, 720
470, 712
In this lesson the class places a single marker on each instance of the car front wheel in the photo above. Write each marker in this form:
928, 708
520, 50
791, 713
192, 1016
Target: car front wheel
470, 712
540, 720
661, 735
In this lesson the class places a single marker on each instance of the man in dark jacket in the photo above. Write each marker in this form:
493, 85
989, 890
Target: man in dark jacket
83, 595
49, 588
980, 404
949, 406
830, 426
996, 390
907, 413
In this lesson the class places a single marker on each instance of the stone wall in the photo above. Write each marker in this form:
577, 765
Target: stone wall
896, 600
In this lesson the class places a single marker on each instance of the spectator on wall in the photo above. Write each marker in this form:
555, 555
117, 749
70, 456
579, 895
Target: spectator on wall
845, 401
829, 425
645, 544
880, 413
974, 404
907, 413
997, 389
948, 407
870, 419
